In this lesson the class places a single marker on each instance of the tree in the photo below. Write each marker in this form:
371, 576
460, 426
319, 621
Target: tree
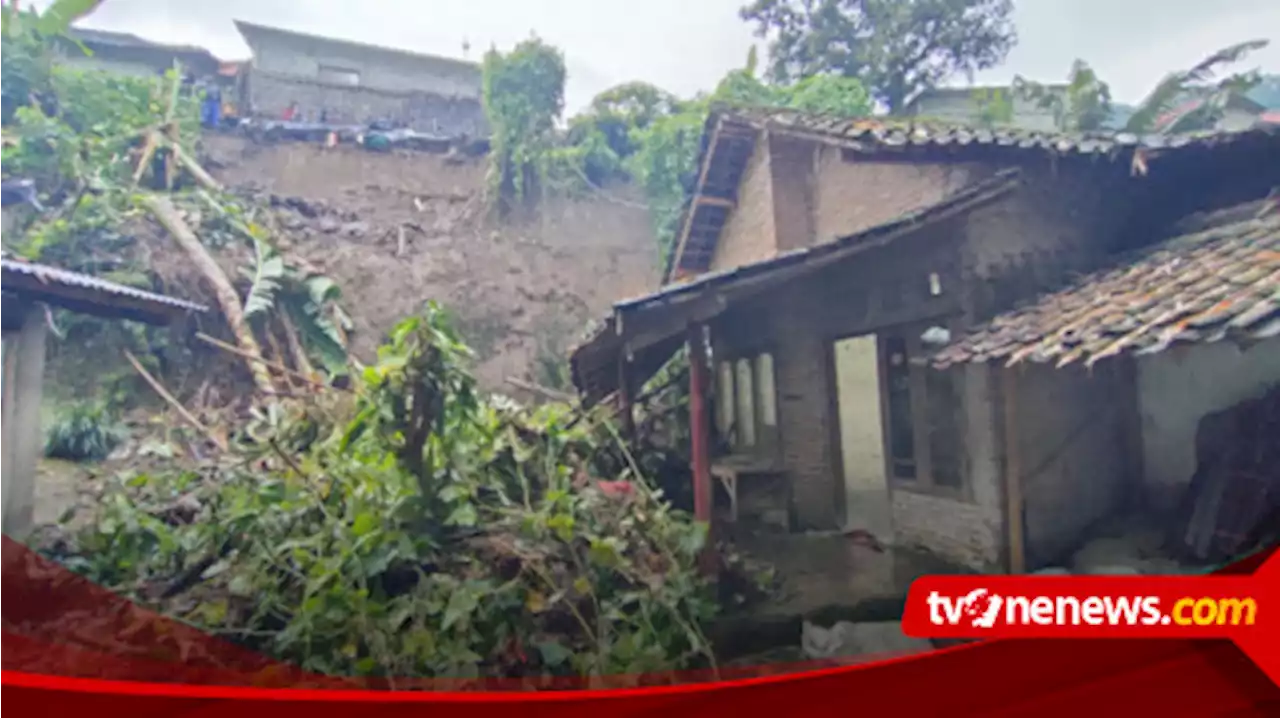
523, 95
1183, 101
1190, 99
1084, 105
994, 107
896, 48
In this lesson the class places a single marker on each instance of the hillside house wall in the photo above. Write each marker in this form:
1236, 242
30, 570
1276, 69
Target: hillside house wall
1072, 425
798, 323
270, 94
358, 83
796, 193
1178, 388
854, 192
750, 228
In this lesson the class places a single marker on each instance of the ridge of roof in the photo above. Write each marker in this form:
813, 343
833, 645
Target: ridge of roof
127, 39
889, 131
246, 28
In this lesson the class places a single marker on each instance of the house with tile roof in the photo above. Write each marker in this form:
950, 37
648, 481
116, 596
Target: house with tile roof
29, 290
979, 343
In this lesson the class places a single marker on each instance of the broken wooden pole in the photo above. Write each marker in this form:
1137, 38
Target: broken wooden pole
1014, 528
625, 400
167, 215
700, 440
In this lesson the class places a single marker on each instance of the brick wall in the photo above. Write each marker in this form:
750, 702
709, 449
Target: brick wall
793, 187
853, 193
1062, 220
798, 323
749, 234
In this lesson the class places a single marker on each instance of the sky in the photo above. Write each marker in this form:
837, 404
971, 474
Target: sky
687, 45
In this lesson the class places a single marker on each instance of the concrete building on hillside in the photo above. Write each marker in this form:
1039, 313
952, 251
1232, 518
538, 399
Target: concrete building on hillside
127, 54
980, 344
356, 83
960, 105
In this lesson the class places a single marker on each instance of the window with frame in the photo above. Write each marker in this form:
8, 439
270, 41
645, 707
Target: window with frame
925, 423
747, 407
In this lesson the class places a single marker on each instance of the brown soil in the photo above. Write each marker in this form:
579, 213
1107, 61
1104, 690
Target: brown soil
521, 289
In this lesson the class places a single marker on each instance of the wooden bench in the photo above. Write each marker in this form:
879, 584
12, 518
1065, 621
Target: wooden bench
728, 469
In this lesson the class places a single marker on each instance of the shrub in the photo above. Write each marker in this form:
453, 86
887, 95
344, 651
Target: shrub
84, 432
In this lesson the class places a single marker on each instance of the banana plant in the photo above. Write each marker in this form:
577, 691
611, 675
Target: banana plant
54, 20
312, 303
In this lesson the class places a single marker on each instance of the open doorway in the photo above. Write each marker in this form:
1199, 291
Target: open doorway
861, 437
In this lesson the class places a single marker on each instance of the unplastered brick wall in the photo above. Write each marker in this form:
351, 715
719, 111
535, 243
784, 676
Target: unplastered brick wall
854, 192
792, 162
749, 235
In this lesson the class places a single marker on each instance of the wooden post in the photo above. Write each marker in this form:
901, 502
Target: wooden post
1013, 475
700, 438
625, 400
22, 444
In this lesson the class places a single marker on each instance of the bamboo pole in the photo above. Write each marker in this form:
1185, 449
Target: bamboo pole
169, 398
167, 215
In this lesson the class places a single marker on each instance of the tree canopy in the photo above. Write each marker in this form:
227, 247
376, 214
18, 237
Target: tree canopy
1186, 100
896, 48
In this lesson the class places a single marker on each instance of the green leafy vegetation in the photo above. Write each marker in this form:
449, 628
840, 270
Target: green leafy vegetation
895, 48
83, 432
415, 529
523, 95
100, 148
633, 131
1183, 101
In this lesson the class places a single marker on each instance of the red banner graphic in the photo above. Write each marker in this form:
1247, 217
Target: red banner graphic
69, 645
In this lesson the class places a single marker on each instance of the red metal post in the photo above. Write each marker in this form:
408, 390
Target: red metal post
700, 437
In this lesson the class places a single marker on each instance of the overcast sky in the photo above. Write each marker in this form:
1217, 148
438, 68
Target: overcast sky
687, 45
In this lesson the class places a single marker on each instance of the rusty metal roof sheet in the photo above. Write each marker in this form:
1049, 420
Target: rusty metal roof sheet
52, 285
1222, 281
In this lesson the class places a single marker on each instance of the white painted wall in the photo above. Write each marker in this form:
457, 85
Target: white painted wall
1177, 388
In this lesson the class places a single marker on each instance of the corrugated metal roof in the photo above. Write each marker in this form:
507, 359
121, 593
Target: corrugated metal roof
124, 39
54, 277
1219, 282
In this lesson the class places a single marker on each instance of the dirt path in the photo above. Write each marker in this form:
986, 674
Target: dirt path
60, 486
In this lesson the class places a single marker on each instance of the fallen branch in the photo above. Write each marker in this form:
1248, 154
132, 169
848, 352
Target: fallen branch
202, 176
264, 362
551, 394
148, 152
169, 398
165, 213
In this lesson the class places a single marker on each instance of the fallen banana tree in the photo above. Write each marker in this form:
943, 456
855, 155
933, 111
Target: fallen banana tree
413, 528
